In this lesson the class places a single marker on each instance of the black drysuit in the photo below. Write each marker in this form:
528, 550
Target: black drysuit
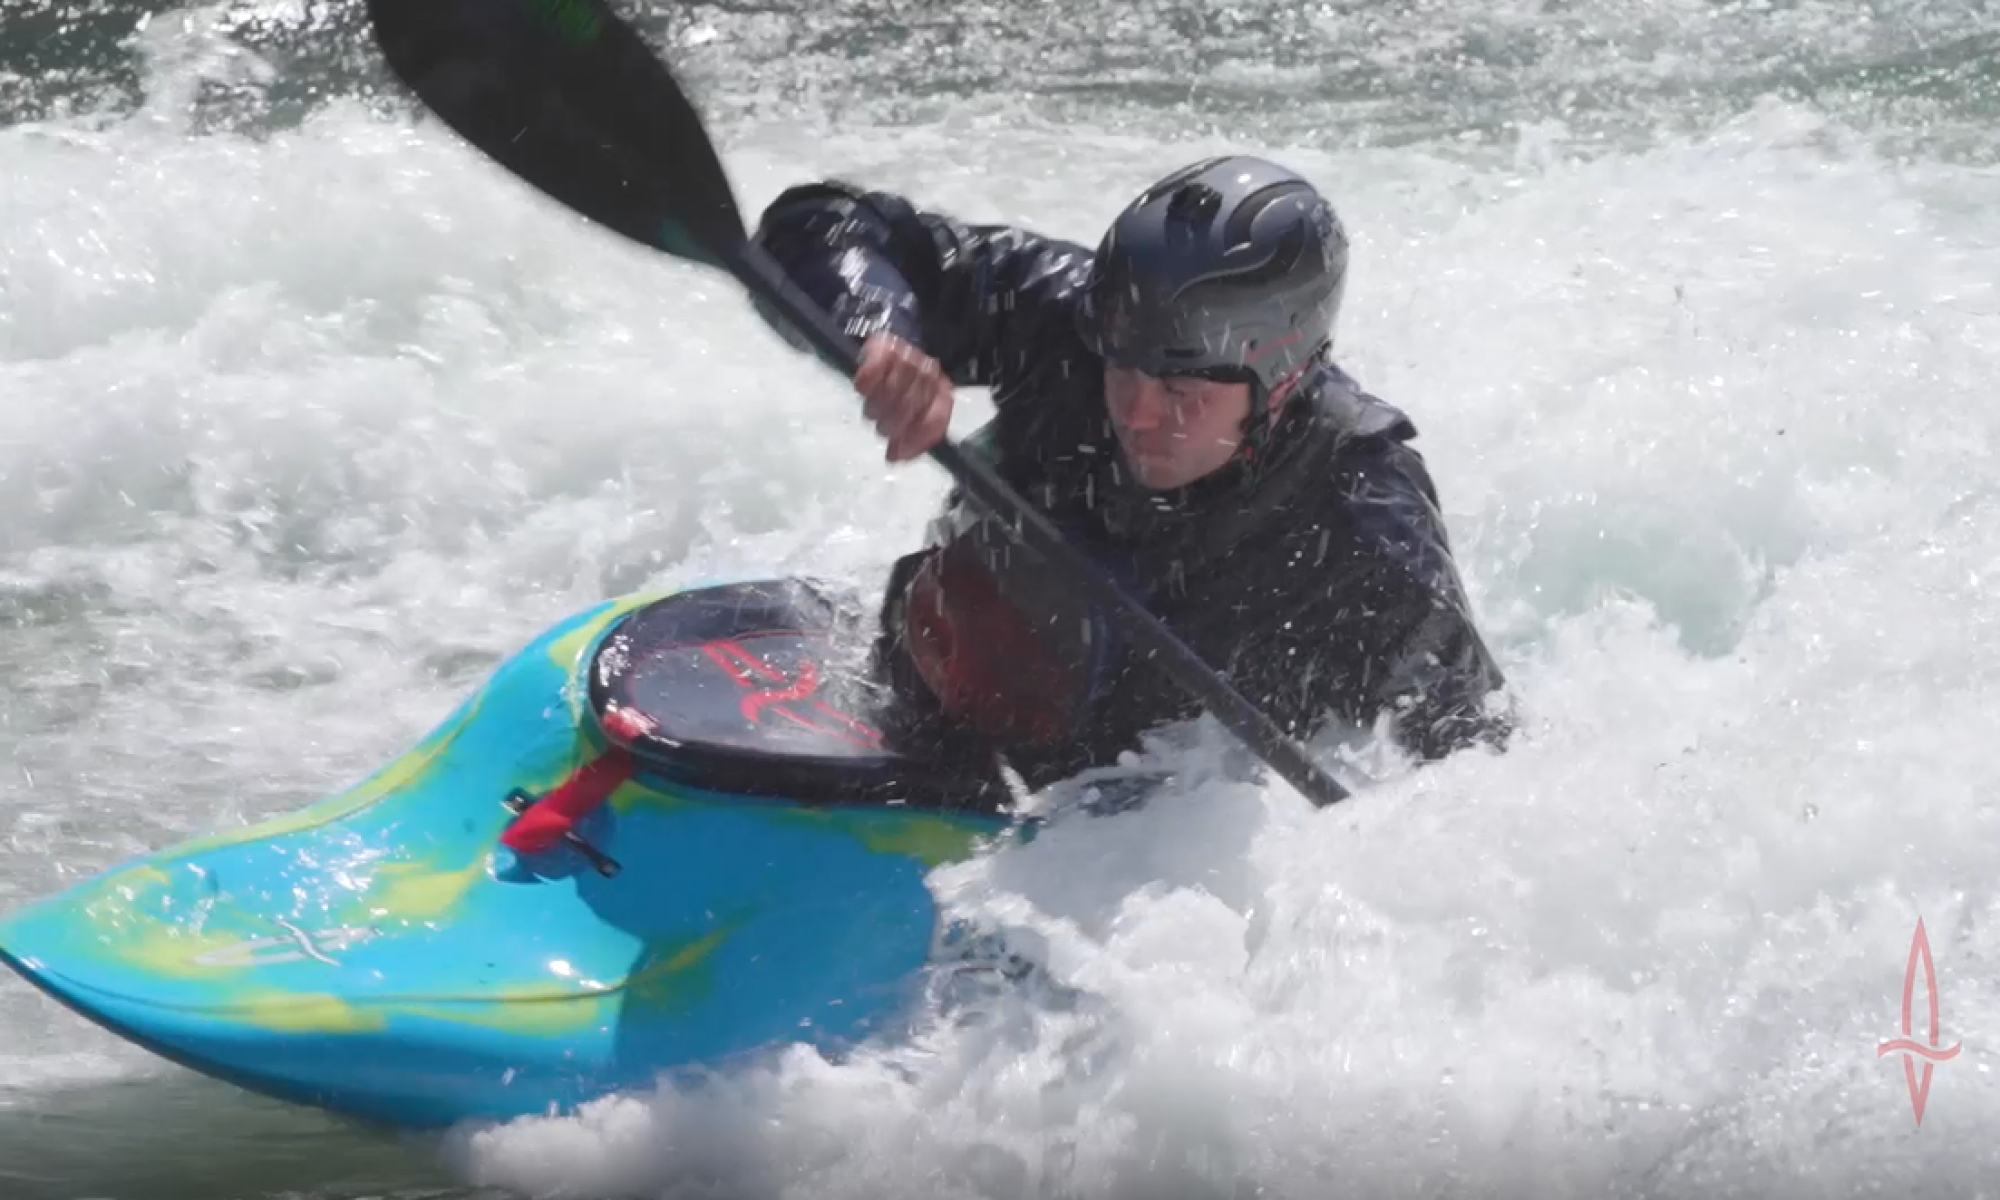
1314, 572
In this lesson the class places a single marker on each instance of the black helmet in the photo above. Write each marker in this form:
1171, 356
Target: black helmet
1232, 268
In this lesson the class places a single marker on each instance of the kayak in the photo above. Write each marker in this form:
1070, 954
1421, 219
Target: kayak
751, 875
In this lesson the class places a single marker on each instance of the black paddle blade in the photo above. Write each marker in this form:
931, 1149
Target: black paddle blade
570, 98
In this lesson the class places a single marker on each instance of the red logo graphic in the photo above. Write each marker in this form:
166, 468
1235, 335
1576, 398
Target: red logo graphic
1910, 1049
744, 667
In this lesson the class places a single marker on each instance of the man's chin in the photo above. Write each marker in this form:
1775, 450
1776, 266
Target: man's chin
1156, 474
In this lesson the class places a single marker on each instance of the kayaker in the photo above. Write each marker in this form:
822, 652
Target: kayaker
1170, 401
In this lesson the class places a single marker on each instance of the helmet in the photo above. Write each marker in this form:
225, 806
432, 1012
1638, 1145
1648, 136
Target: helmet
1232, 268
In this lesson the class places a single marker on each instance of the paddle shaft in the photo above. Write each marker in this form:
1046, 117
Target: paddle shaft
756, 270
568, 97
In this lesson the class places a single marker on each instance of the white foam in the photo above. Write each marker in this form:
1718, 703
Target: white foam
368, 407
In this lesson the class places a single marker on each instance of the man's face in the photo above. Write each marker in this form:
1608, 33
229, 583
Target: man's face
1174, 429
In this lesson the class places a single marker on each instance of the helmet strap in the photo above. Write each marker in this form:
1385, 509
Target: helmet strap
1263, 415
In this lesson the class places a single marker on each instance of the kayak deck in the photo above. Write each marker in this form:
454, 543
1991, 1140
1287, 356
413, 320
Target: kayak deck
382, 955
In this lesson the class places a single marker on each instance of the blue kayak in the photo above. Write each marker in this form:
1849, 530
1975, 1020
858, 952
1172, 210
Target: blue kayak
752, 877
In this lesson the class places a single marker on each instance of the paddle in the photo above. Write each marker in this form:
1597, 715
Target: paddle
568, 97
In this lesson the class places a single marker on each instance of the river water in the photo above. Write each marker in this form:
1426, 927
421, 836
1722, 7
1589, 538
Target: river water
308, 415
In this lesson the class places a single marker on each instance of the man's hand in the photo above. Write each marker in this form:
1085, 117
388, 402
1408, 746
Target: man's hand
906, 393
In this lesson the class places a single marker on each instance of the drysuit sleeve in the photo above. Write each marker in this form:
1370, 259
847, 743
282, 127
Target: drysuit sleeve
973, 297
1388, 629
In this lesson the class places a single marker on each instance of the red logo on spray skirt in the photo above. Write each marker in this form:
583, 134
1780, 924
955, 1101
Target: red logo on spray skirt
1911, 1049
746, 668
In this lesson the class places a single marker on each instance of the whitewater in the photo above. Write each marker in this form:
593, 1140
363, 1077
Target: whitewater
309, 415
